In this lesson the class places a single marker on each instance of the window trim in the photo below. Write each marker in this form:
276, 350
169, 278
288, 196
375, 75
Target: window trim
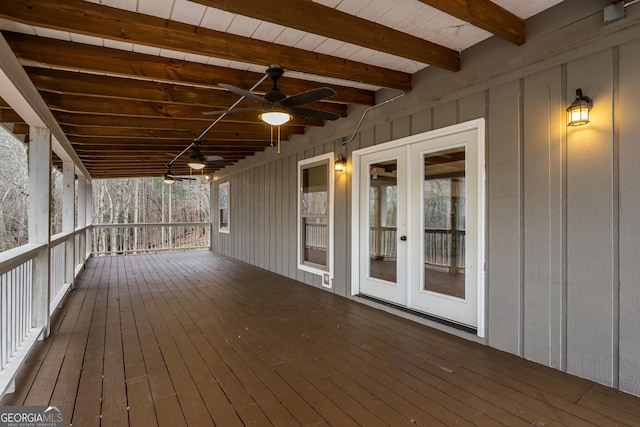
325, 273
226, 229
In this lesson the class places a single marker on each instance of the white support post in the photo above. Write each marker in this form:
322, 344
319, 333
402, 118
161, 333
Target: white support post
39, 222
82, 219
68, 218
213, 210
89, 217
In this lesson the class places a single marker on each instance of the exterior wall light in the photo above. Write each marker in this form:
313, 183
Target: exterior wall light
340, 165
578, 111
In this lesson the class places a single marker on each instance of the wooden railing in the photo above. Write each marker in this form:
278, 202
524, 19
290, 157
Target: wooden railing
113, 239
438, 245
29, 294
17, 332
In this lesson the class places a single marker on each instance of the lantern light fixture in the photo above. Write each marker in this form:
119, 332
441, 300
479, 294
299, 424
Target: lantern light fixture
340, 165
578, 111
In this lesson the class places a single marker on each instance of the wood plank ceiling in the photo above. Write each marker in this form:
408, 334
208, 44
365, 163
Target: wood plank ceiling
129, 80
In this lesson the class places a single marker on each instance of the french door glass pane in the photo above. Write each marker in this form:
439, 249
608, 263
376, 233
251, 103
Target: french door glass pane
383, 211
444, 210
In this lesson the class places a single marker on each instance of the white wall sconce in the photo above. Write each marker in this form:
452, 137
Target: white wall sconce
340, 165
578, 111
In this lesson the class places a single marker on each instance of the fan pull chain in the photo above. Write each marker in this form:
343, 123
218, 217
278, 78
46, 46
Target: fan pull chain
278, 136
271, 127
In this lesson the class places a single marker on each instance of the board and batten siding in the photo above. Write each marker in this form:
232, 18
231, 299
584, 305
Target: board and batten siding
563, 204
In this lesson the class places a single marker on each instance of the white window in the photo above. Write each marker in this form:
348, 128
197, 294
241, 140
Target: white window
223, 207
315, 216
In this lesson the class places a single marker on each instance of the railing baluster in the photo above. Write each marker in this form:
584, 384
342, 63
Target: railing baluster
4, 321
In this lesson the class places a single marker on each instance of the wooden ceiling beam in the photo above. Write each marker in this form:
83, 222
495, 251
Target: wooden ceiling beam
72, 82
486, 15
20, 129
247, 132
82, 143
182, 137
68, 82
96, 105
153, 170
112, 125
116, 24
308, 16
120, 174
141, 153
76, 56
143, 162
7, 115
127, 122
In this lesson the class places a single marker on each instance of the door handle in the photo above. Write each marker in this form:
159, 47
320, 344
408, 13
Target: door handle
403, 238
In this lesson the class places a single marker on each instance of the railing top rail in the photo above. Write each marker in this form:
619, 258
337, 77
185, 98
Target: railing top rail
56, 239
151, 224
14, 257
443, 230
79, 230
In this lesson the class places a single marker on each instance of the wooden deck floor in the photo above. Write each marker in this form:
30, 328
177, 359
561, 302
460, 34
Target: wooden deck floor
196, 339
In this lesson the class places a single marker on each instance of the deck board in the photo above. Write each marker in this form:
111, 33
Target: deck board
196, 339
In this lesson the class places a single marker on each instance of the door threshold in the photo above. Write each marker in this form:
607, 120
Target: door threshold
426, 316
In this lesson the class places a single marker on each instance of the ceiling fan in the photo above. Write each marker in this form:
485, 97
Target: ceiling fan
170, 178
275, 101
197, 156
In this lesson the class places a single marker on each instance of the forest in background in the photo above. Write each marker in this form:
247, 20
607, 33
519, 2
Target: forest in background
137, 200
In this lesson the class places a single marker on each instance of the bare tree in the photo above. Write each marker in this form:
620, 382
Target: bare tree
14, 191
115, 201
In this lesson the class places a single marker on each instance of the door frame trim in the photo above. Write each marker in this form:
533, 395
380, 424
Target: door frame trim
479, 126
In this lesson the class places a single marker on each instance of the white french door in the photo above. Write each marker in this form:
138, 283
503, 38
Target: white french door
383, 202
421, 215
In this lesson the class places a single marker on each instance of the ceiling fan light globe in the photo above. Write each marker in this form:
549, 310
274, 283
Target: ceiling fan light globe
275, 118
196, 159
168, 179
196, 164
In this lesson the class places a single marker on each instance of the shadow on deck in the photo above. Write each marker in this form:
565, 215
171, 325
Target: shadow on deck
198, 339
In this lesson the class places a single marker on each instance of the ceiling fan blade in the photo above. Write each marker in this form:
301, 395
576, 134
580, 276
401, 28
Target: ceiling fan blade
312, 95
212, 158
310, 113
245, 93
235, 110
221, 163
